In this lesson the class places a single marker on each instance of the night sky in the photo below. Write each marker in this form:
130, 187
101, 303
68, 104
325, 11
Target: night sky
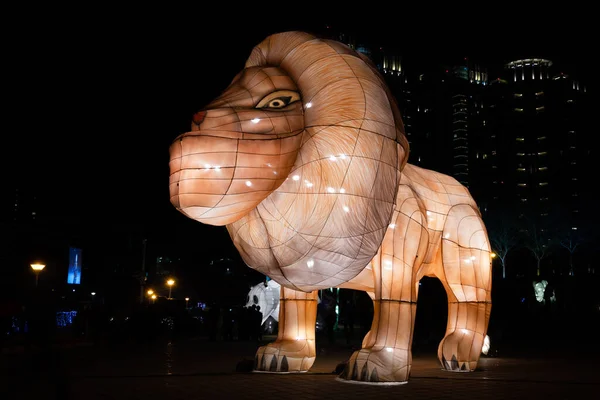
97, 96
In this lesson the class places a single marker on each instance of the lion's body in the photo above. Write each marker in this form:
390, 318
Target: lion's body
304, 159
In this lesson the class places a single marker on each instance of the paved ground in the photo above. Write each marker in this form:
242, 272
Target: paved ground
199, 369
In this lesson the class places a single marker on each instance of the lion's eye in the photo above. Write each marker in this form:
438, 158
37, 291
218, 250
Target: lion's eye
279, 99
279, 102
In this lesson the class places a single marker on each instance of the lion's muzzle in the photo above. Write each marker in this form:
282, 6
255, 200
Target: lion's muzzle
218, 177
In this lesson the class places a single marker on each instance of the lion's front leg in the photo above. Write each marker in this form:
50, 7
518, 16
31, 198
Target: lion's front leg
386, 354
386, 351
294, 350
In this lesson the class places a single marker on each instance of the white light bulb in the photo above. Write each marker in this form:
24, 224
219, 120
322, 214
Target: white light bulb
342, 190
256, 120
346, 208
392, 226
332, 158
308, 105
248, 183
330, 189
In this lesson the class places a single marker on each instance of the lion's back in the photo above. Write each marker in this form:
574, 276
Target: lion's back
437, 191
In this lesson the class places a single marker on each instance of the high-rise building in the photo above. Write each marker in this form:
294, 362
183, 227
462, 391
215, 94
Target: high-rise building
19, 205
538, 155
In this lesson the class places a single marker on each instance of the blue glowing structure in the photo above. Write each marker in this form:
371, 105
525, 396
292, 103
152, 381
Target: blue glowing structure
65, 318
74, 273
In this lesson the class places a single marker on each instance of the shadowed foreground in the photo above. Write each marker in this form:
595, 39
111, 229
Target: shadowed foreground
200, 369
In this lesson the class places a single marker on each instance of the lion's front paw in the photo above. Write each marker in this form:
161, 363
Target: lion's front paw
285, 356
458, 352
378, 366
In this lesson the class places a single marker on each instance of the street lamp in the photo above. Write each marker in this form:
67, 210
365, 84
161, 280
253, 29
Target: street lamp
170, 282
187, 299
37, 268
150, 292
153, 297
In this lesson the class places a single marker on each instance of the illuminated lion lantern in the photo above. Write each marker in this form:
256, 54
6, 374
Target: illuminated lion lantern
303, 158
266, 296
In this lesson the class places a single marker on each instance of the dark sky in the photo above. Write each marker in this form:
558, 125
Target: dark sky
97, 96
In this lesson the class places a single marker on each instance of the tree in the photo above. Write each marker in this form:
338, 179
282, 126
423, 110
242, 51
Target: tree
504, 239
538, 244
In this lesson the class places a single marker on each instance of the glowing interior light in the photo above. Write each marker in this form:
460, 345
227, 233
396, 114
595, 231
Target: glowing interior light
342, 190
308, 105
330, 189
207, 166
332, 158
346, 208
428, 213
465, 331
310, 263
248, 183
342, 156
308, 184
268, 164
217, 168
447, 235
473, 257
296, 177
389, 349
468, 261
392, 226
256, 120
387, 264
486, 345
274, 172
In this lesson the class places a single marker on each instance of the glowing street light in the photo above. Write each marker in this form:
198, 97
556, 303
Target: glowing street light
37, 268
170, 282
187, 299
150, 292
493, 255
153, 297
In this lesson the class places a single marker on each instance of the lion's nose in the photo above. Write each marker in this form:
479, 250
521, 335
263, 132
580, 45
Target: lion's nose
199, 117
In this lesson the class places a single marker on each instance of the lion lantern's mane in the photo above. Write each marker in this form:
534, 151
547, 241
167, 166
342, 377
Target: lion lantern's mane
321, 234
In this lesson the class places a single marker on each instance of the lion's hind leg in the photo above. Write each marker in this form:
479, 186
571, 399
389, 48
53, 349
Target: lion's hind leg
466, 275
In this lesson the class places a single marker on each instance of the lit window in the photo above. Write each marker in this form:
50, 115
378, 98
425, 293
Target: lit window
542, 153
520, 139
569, 101
521, 184
542, 168
574, 228
543, 183
541, 108
518, 94
541, 138
518, 109
520, 154
520, 169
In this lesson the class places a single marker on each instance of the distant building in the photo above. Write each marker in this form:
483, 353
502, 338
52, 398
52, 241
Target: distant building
539, 147
19, 205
